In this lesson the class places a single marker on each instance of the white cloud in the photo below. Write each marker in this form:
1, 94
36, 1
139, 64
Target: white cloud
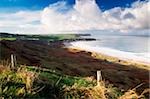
84, 15
21, 22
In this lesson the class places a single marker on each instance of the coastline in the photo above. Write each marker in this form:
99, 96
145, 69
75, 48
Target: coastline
74, 62
105, 56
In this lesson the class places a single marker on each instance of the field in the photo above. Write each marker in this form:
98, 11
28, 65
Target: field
8, 38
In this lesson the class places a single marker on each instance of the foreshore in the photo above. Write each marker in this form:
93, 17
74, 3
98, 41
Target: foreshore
114, 59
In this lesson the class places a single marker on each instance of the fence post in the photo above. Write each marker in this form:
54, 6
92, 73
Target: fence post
12, 61
99, 77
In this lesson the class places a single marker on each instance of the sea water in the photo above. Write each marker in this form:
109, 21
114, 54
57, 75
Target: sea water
123, 46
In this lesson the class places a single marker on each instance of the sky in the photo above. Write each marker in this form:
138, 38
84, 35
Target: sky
40, 4
66, 16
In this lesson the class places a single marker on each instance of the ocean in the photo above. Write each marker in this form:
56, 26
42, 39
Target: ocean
135, 48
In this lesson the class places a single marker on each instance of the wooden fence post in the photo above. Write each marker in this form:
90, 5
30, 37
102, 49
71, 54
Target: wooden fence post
12, 61
99, 77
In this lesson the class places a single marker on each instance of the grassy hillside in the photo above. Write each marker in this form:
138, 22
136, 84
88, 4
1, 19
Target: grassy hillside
33, 82
7, 38
55, 72
54, 37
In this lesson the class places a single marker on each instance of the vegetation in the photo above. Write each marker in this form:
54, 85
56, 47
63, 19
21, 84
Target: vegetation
8, 38
34, 82
38, 82
55, 37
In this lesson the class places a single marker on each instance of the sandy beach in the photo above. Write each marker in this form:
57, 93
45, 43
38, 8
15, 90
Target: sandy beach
111, 55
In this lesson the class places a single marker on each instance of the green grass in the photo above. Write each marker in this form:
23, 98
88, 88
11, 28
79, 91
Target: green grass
57, 37
54, 37
8, 38
66, 36
33, 82
53, 77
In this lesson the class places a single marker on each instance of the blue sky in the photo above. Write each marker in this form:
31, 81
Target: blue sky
40, 4
61, 16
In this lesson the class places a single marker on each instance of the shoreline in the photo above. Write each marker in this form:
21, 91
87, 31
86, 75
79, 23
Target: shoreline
115, 59
74, 62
